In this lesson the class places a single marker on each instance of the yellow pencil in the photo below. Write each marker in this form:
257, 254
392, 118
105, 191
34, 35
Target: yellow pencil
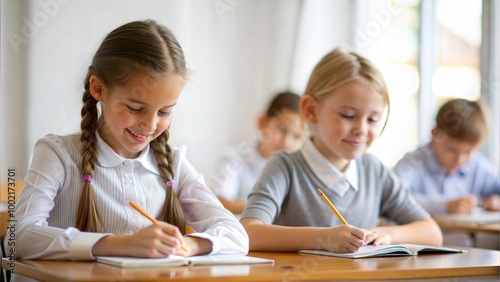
154, 220
332, 206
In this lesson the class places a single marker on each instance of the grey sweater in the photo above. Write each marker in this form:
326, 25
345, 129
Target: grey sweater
286, 194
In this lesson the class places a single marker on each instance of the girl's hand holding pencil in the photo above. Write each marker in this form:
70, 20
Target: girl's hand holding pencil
154, 220
157, 240
349, 238
342, 238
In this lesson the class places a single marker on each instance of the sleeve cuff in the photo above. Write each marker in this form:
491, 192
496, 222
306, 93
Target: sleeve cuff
81, 247
216, 246
259, 214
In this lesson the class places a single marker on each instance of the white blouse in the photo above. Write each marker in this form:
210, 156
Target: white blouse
46, 208
237, 171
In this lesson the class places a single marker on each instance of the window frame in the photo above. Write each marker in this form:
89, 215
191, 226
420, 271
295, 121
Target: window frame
490, 82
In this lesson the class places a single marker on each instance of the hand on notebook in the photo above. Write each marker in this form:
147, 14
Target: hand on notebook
162, 239
464, 204
157, 240
344, 238
377, 237
492, 203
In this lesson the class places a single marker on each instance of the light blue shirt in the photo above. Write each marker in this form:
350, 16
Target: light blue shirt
421, 173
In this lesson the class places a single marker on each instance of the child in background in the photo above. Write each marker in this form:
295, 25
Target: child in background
75, 203
344, 106
281, 128
448, 174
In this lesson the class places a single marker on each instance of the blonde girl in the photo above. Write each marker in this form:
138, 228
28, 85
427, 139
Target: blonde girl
344, 105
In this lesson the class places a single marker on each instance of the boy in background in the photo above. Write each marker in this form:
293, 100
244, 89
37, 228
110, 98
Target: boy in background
448, 175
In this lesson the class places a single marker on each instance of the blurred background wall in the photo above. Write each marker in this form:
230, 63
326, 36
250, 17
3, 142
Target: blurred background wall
240, 53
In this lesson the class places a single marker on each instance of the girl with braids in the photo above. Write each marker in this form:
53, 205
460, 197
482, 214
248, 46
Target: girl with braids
75, 204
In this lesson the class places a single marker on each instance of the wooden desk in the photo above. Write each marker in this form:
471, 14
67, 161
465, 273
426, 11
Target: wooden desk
287, 266
491, 228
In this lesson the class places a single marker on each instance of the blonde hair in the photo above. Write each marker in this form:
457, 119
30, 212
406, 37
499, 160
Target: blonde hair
463, 120
136, 47
340, 67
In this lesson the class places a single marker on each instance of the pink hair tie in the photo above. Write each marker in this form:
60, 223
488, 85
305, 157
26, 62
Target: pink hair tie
170, 183
87, 178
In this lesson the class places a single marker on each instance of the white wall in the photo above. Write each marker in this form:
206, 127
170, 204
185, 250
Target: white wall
240, 52
13, 87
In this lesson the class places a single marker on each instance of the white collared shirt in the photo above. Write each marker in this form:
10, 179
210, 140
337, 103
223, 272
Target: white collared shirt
46, 209
237, 171
327, 173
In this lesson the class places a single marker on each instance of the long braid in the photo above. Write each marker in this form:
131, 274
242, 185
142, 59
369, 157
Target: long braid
174, 61
172, 212
88, 217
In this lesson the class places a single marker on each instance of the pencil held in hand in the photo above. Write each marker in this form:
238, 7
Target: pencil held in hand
332, 206
154, 220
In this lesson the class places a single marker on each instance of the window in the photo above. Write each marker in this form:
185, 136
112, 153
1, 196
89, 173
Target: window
429, 52
395, 49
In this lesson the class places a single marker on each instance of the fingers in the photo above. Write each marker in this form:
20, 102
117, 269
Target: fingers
354, 238
159, 240
347, 238
358, 236
468, 206
492, 203
353, 245
381, 239
371, 236
377, 237
171, 235
471, 201
463, 205
357, 232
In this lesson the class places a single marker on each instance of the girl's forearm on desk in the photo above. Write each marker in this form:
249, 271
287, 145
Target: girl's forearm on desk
412, 233
112, 245
268, 237
125, 245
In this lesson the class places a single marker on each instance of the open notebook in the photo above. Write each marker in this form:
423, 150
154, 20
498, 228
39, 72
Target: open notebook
478, 216
386, 250
172, 261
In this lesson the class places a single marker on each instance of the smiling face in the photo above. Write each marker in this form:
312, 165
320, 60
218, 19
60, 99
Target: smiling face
137, 112
345, 122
